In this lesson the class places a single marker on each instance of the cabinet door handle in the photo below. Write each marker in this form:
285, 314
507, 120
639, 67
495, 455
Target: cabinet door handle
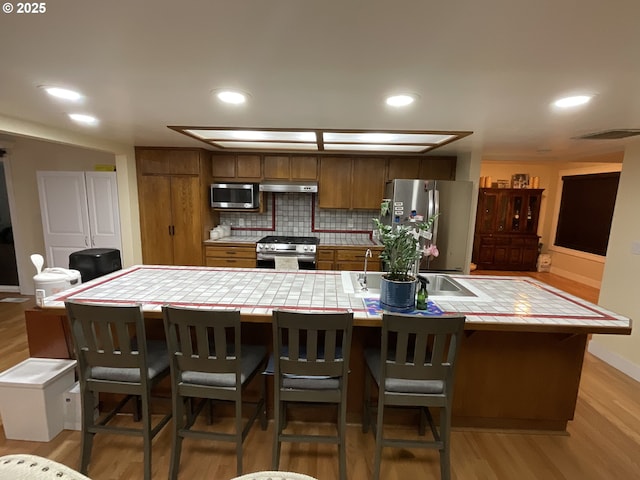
169, 230
173, 229
86, 241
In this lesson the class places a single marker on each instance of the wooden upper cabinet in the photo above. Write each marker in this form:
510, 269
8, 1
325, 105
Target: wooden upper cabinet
285, 167
277, 167
334, 184
368, 182
240, 167
427, 168
161, 161
351, 183
304, 168
223, 166
438, 168
249, 167
404, 167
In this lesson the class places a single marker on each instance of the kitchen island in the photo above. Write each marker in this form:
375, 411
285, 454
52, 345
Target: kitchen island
520, 360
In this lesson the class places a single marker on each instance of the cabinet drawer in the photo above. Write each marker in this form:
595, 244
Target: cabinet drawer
231, 251
324, 265
355, 254
325, 255
230, 262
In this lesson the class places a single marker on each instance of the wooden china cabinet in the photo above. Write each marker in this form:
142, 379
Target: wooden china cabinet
506, 235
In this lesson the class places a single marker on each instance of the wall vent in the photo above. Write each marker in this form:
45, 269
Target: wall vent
611, 134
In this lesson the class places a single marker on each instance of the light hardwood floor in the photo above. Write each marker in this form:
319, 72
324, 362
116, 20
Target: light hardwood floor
603, 440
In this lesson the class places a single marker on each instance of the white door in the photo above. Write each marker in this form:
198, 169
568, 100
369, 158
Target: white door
104, 214
65, 217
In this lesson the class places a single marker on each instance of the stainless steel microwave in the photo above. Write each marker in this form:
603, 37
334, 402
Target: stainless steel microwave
235, 195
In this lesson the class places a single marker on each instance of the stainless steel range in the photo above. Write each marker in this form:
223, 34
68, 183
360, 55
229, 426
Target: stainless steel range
302, 248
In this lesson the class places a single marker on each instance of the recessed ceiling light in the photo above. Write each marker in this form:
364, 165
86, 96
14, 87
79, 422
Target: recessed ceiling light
232, 96
84, 119
401, 100
62, 93
574, 101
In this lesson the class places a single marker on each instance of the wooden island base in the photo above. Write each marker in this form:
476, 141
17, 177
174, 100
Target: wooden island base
505, 380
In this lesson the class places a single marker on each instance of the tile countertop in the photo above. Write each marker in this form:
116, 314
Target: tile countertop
501, 303
331, 240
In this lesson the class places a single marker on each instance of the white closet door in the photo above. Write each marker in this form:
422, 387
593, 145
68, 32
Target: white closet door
104, 214
65, 218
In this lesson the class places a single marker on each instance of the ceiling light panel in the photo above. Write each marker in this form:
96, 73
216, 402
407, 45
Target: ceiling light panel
375, 147
380, 138
319, 140
268, 145
282, 136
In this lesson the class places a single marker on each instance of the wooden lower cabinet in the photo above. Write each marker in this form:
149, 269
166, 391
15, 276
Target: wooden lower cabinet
325, 257
230, 255
348, 258
506, 252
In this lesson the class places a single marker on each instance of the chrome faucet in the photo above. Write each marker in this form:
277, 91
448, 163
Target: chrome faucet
363, 282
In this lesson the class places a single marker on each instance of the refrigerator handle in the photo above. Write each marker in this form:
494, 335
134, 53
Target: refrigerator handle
436, 211
430, 208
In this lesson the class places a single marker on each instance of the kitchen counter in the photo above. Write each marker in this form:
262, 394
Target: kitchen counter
326, 239
501, 303
520, 358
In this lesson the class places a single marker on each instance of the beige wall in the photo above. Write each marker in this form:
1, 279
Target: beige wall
619, 290
34, 147
26, 157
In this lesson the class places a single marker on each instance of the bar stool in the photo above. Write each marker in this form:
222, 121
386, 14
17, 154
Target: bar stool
311, 365
414, 366
114, 356
208, 361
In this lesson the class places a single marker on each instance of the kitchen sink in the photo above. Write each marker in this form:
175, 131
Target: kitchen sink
439, 285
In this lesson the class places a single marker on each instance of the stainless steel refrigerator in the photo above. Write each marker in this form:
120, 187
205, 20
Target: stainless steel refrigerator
414, 200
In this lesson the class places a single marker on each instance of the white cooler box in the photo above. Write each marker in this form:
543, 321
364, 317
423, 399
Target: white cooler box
31, 392
73, 408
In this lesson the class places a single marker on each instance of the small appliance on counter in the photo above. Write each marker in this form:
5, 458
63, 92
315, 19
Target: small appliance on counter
95, 262
50, 281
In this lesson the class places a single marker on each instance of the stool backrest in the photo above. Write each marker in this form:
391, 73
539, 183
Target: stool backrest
203, 340
312, 344
420, 348
110, 336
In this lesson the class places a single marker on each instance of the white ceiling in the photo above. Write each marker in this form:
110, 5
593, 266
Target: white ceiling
492, 67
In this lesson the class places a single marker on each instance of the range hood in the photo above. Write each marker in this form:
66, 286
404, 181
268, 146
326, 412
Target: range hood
289, 186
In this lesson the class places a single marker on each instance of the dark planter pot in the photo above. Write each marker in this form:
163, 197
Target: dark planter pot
397, 296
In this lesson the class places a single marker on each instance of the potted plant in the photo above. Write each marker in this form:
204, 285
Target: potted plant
403, 245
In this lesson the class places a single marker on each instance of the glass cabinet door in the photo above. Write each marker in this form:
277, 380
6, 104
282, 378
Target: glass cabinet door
531, 214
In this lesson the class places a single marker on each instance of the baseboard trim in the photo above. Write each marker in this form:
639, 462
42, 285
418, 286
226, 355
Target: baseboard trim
616, 361
578, 278
9, 288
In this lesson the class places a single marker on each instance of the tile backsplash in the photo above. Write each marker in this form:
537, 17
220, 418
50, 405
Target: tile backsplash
294, 217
